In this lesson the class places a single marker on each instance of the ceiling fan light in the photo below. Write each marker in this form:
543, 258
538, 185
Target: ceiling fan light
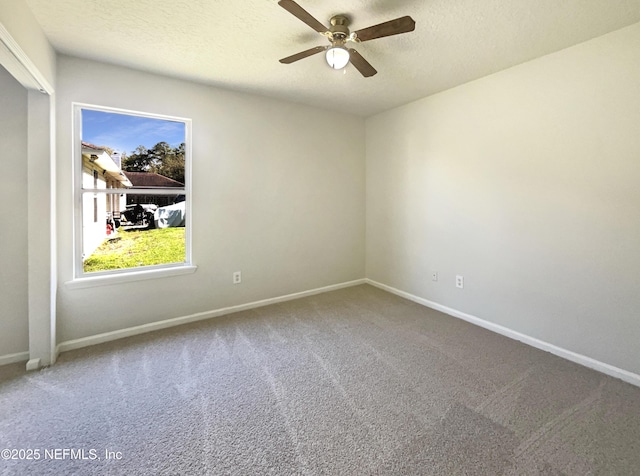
337, 57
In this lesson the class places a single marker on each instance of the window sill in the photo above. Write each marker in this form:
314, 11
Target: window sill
128, 277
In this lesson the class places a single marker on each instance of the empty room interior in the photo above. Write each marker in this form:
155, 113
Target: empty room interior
422, 260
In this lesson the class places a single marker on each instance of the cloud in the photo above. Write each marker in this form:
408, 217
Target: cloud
124, 132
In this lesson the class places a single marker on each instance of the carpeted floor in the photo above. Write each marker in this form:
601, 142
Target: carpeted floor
356, 381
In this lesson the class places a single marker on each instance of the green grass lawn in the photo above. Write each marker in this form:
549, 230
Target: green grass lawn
130, 249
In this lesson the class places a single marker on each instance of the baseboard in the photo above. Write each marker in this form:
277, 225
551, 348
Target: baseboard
13, 358
33, 364
625, 375
154, 326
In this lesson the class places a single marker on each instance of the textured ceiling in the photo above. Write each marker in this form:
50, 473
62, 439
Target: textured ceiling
237, 44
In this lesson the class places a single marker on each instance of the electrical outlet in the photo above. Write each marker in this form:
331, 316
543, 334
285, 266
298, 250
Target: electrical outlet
434, 276
237, 277
459, 281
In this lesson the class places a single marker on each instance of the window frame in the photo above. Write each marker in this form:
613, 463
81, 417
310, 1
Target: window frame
80, 277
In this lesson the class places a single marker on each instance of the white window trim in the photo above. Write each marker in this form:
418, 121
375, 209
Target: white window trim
82, 279
128, 276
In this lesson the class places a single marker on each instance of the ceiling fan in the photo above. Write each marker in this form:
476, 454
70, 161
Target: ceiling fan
337, 55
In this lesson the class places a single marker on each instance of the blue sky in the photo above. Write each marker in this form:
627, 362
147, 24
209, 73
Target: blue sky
124, 133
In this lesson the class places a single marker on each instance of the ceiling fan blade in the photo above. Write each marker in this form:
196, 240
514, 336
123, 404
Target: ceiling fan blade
303, 54
299, 12
361, 64
388, 28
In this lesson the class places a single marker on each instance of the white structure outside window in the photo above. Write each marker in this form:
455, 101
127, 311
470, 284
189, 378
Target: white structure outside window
99, 172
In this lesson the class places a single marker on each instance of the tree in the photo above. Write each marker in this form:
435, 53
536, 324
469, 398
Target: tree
161, 159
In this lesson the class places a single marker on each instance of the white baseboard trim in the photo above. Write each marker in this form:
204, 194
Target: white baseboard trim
625, 375
154, 326
13, 358
33, 364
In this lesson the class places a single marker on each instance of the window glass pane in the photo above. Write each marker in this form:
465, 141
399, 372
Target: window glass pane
133, 206
135, 151
140, 234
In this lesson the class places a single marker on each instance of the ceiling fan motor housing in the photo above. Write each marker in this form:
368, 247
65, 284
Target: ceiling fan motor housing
339, 27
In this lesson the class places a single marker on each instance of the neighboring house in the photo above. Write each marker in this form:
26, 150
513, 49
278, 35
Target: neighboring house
99, 171
153, 180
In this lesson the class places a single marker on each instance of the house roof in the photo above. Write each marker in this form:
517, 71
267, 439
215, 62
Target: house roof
87, 145
99, 157
151, 179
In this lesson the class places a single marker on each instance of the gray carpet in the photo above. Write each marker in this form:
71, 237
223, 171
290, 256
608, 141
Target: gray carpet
356, 381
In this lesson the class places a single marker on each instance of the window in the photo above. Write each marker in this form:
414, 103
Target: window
132, 191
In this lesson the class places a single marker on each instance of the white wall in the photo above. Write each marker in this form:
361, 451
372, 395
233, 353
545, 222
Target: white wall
35, 66
17, 18
14, 318
278, 193
527, 183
